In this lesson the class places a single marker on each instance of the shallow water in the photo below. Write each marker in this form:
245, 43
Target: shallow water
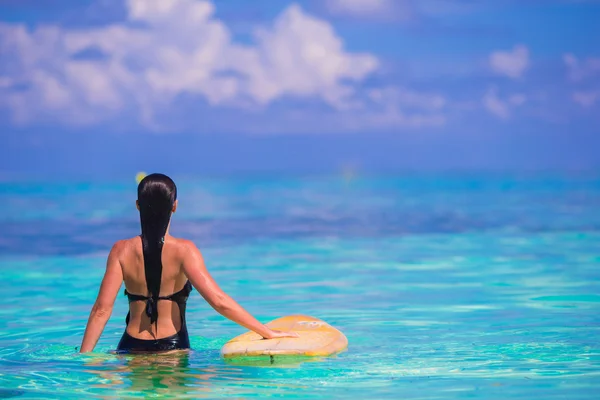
446, 287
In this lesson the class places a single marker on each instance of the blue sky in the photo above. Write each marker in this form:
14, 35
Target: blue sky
107, 87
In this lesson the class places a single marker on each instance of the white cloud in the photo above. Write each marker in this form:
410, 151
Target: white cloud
583, 72
517, 99
510, 63
586, 99
579, 70
502, 108
301, 55
494, 105
181, 49
399, 106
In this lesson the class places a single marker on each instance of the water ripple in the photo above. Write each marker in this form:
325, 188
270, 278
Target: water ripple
461, 290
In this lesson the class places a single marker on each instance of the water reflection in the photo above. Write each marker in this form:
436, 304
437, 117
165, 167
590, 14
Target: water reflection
272, 361
166, 374
188, 375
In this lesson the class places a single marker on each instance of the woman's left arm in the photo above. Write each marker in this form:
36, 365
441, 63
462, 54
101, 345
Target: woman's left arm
111, 283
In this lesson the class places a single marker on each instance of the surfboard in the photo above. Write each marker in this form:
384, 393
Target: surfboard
317, 338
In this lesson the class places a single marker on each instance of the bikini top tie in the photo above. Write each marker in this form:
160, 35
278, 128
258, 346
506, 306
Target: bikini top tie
179, 297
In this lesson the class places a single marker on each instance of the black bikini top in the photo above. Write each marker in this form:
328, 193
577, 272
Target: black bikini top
179, 297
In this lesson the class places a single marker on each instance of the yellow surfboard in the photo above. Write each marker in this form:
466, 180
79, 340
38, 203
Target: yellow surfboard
317, 338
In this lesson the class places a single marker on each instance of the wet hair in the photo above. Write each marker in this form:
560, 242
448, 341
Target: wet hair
156, 195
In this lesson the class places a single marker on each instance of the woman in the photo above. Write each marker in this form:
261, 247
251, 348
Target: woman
159, 272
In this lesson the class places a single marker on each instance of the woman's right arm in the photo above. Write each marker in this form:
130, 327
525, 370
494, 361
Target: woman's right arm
196, 272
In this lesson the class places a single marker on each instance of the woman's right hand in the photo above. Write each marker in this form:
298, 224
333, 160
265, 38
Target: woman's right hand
274, 334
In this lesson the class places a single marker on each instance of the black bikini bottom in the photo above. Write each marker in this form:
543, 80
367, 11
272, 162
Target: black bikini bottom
178, 341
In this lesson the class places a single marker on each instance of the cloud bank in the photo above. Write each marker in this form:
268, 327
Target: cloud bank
173, 65
169, 49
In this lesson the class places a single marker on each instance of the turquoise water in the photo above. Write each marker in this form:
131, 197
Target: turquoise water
446, 287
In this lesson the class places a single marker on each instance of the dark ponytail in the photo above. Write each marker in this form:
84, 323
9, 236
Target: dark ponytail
156, 195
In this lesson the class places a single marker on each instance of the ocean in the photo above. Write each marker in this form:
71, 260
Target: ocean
447, 286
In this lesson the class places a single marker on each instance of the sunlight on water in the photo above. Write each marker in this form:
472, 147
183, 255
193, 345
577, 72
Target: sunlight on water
445, 289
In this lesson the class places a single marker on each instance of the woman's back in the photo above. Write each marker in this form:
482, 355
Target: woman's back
173, 280
159, 272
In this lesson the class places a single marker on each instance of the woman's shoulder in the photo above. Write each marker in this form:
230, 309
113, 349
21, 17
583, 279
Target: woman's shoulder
123, 245
129, 241
184, 247
180, 245
183, 244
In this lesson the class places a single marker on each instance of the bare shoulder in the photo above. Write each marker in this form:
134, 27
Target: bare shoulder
187, 250
185, 245
121, 247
